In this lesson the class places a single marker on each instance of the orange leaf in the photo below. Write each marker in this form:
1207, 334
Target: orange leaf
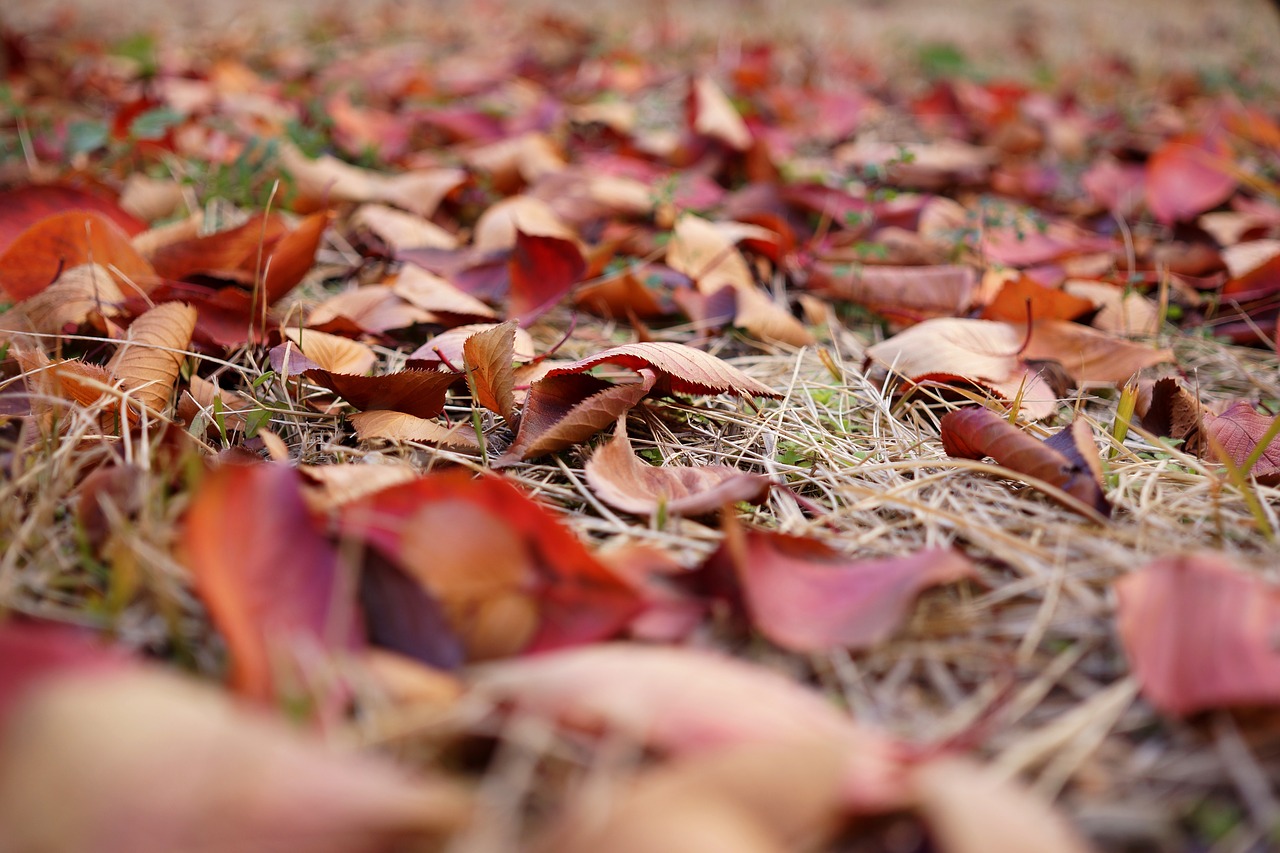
620, 479
149, 358
1023, 299
488, 355
271, 581
1199, 634
333, 352
22, 207
1068, 460
37, 256
679, 368
1088, 355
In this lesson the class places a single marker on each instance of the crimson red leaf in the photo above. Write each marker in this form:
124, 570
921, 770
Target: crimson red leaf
23, 207
1187, 176
420, 393
543, 270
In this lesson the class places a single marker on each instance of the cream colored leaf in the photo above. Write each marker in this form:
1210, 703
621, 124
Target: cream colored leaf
328, 178
401, 230
496, 228
398, 426
432, 293
67, 303
716, 117
148, 360
333, 352
680, 368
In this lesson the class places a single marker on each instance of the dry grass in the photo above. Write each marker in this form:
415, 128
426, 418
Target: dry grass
1024, 667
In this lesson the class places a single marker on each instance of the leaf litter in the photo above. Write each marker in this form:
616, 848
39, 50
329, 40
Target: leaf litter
817, 303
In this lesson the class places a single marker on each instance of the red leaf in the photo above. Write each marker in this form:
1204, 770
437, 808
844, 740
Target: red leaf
1199, 634
806, 597
561, 411
33, 651
1187, 176
1238, 431
271, 581
543, 270
507, 573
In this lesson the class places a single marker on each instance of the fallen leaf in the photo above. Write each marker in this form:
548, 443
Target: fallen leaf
686, 701
679, 369
447, 346
969, 809
753, 798
22, 207
1068, 460
102, 763
327, 179
269, 578
37, 256
1198, 633
436, 295
333, 353
807, 598
1088, 355
1237, 431
906, 293
374, 308
398, 426
1188, 175
148, 360
488, 356
420, 393
543, 270
496, 228
401, 230
1023, 300
561, 411
509, 576
67, 304
712, 114
622, 480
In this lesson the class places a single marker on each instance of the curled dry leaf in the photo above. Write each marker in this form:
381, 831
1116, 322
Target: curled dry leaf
398, 426
489, 355
507, 574
955, 351
149, 358
969, 809
622, 480
1187, 176
1068, 460
420, 393
1119, 312
679, 369
806, 597
1199, 633
270, 579
686, 701
146, 762
753, 798
561, 411
1168, 410
38, 255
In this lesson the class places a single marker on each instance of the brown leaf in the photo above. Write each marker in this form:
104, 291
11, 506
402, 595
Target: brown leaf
1068, 460
806, 597
1168, 410
680, 369
1199, 634
908, 293
400, 230
508, 575
398, 426
148, 360
1237, 431
973, 810
420, 393
561, 411
1120, 312
685, 701
436, 295
271, 581
104, 764
1089, 355
753, 798
622, 480
488, 356
37, 256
